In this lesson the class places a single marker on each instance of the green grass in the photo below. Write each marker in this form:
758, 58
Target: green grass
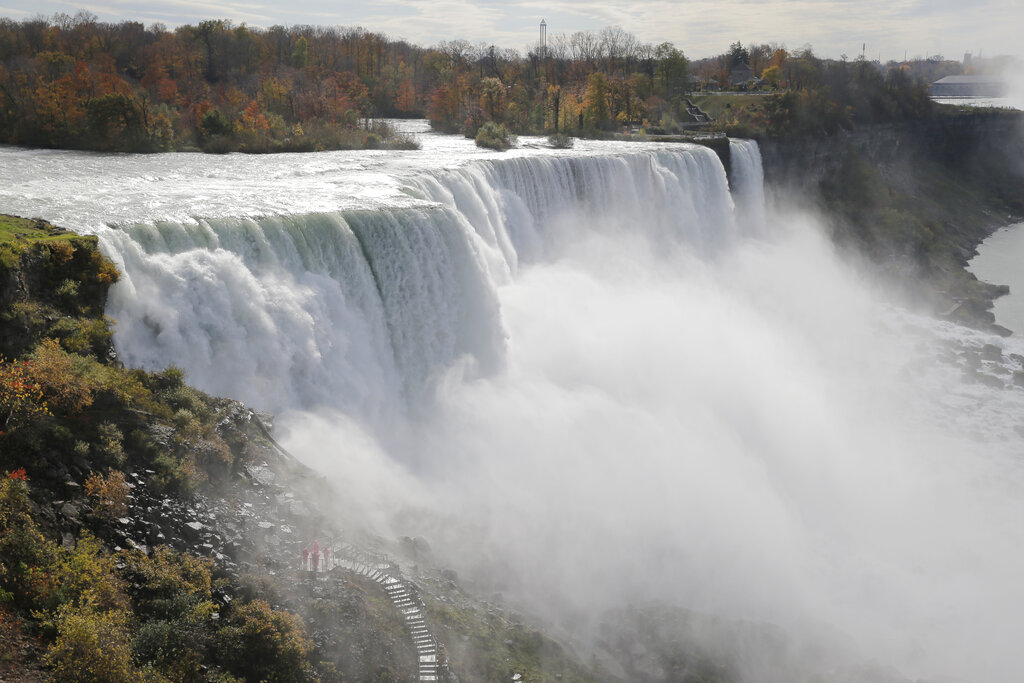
716, 104
23, 231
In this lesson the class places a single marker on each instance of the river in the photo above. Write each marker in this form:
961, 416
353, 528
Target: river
999, 262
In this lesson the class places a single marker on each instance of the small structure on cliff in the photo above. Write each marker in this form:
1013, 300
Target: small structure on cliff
969, 86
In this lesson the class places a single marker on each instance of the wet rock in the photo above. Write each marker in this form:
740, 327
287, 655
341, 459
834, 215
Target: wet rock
989, 380
991, 352
191, 530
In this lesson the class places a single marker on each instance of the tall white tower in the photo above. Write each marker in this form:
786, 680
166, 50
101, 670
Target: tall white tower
543, 46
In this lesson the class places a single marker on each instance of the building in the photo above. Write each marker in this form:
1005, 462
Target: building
969, 86
740, 74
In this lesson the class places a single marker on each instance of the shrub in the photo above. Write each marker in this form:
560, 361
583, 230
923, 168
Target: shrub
85, 578
110, 444
54, 369
560, 141
91, 647
109, 494
67, 290
176, 648
21, 396
61, 252
169, 585
265, 644
25, 554
84, 336
494, 136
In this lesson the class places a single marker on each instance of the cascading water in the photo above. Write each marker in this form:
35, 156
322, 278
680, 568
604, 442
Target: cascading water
590, 378
357, 309
747, 186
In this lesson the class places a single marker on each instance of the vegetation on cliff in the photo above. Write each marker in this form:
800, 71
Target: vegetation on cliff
150, 532
913, 198
84, 445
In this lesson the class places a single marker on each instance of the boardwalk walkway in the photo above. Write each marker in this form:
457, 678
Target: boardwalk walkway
403, 595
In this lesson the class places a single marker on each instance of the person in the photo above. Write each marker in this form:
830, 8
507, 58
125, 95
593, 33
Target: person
305, 558
327, 558
316, 556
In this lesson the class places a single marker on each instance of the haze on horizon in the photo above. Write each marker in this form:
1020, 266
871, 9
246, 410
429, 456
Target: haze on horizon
890, 29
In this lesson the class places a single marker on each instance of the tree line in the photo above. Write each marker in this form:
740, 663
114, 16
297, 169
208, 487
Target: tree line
76, 82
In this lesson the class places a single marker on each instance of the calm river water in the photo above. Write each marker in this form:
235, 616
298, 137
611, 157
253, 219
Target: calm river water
999, 261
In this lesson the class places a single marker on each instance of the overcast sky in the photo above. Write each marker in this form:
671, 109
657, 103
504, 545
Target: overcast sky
890, 28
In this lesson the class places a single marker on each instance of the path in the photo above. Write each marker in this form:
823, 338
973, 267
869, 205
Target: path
403, 595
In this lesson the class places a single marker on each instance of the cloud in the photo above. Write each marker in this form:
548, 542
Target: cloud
700, 28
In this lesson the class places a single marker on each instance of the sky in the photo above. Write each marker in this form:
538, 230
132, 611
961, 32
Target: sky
890, 29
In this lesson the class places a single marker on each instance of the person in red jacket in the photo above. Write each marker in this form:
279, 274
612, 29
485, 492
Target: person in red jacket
316, 556
305, 558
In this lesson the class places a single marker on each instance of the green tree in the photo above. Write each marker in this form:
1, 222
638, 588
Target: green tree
215, 123
672, 70
116, 121
300, 55
596, 114
737, 55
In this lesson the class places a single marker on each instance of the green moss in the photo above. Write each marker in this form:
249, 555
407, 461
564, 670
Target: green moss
15, 230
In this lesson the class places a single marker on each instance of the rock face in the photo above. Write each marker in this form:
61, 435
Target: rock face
916, 199
252, 528
50, 280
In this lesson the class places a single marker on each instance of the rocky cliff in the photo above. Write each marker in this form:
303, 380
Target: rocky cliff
915, 198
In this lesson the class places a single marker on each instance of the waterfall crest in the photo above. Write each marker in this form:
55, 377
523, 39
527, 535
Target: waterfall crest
359, 309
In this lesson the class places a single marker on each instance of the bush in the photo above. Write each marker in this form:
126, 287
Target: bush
494, 136
54, 369
561, 141
21, 396
110, 444
91, 647
109, 494
265, 644
85, 578
25, 554
169, 585
84, 336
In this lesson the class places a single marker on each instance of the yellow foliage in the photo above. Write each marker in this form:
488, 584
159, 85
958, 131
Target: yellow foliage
61, 252
87, 577
54, 369
109, 494
21, 396
91, 647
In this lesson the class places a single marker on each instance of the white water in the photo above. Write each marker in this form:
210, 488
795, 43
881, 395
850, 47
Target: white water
587, 377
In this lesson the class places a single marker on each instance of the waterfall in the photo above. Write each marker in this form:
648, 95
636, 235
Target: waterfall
359, 309
591, 378
531, 209
747, 185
